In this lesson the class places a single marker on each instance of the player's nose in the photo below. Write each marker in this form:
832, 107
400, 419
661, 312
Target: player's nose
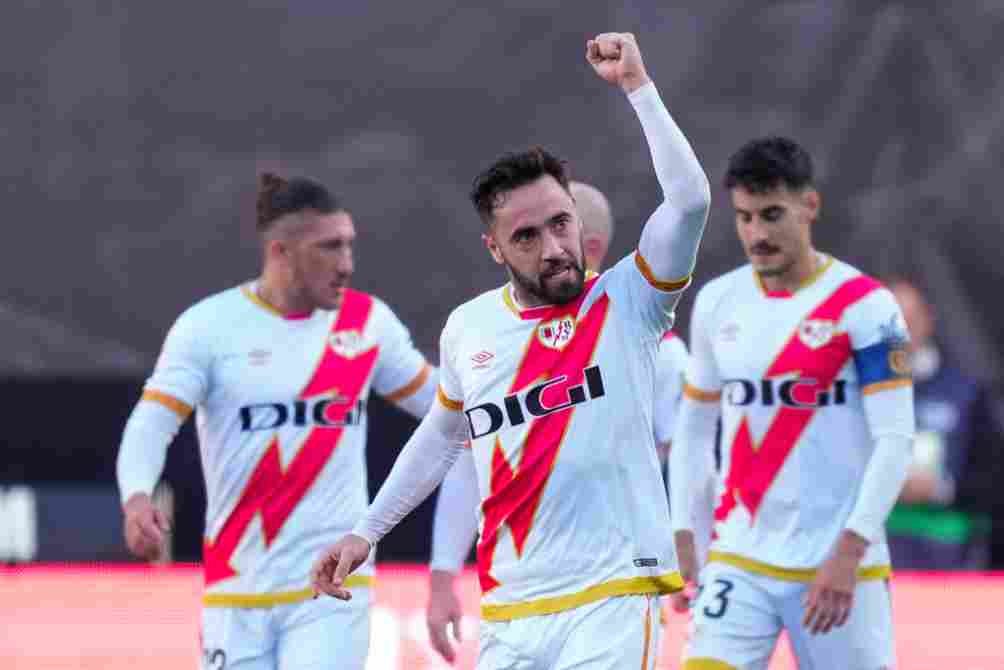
551, 248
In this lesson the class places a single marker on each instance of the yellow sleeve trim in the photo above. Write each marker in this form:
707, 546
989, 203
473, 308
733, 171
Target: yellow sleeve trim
804, 575
179, 407
448, 402
671, 582
412, 387
700, 395
646, 271
886, 385
261, 600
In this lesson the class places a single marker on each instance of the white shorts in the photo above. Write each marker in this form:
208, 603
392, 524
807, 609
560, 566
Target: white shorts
321, 634
738, 616
611, 634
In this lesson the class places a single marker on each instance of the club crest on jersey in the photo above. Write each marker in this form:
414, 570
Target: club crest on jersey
815, 333
347, 343
556, 333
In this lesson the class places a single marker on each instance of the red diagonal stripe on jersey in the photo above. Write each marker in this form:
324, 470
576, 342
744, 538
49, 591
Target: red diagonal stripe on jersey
752, 469
515, 493
275, 493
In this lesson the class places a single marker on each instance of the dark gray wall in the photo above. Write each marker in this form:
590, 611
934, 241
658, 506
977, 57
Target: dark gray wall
132, 133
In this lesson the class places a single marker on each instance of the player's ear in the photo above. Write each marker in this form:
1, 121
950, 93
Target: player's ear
813, 202
493, 248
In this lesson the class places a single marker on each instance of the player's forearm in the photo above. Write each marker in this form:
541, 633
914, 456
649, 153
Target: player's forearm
424, 461
455, 524
147, 435
890, 420
884, 476
670, 239
691, 466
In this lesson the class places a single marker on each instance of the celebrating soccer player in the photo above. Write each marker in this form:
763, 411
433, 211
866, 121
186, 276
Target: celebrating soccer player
550, 378
278, 371
804, 359
455, 525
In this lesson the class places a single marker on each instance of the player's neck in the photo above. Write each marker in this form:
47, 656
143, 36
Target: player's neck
798, 275
272, 290
525, 300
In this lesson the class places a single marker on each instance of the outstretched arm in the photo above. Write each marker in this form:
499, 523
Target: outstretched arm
668, 246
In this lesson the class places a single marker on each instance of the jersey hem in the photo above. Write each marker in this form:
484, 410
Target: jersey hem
670, 582
804, 575
264, 600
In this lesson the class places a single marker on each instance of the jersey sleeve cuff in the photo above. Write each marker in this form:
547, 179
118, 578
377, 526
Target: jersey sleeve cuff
179, 407
448, 402
412, 387
665, 285
700, 395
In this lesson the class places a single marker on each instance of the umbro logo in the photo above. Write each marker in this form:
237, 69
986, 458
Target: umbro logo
482, 359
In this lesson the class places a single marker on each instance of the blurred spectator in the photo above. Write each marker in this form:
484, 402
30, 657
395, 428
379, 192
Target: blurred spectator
942, 519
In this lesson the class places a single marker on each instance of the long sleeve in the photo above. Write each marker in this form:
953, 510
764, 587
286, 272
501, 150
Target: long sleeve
421, 466
455, 524
143, 451
669, 241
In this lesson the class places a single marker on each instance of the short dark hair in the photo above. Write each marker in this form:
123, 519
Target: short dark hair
510, 172
763, 164
278, 196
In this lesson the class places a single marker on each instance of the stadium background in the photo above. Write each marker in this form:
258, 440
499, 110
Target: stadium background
133, 132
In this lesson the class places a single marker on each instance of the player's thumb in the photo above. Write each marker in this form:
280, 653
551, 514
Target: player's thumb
343, 565
161, 521
455, 621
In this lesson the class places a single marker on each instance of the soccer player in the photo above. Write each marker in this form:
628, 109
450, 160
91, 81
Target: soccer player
551, 379
278, 370
455, 524
804, 359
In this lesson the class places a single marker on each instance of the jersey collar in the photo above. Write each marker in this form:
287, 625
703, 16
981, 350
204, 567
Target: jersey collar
824, 265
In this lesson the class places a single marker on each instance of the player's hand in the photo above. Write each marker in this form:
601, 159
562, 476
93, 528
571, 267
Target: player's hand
443, 611
686, 556
334, 565
145, 527
616, 58
831, 596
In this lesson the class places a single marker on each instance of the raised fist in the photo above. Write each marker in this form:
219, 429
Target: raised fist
617, 59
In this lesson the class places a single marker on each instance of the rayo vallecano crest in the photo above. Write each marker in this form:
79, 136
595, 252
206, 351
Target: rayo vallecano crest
556, 333
815, 333
347, 343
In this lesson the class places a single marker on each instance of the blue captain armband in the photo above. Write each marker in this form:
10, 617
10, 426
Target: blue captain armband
882, 366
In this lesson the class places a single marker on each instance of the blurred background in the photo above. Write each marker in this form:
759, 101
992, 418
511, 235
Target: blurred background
133, 133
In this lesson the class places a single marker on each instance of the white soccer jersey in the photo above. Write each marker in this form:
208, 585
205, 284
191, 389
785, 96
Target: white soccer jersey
790, 372
559, 405
670, 367
281, 417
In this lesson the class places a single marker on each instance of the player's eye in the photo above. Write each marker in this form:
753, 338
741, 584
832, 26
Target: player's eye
772, 213
524, 236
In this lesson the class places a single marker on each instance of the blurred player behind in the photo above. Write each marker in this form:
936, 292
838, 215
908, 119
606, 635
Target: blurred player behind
804, 359
551, 379
455, 524
279, 371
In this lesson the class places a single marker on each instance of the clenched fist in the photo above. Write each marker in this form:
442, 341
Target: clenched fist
145, 527
617, 59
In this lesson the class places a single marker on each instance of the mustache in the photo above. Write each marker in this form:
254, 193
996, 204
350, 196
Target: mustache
554, 267
764, 248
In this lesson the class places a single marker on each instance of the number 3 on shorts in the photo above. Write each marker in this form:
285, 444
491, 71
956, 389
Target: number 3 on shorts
716, 608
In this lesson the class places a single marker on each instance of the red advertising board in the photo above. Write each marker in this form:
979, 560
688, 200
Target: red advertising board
123, 618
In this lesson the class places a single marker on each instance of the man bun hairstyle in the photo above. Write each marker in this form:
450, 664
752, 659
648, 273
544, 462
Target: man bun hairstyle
510, 172
764, 164
278, 197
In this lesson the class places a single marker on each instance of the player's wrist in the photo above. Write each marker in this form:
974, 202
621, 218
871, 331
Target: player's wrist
851, 545
632, 84
441, 580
